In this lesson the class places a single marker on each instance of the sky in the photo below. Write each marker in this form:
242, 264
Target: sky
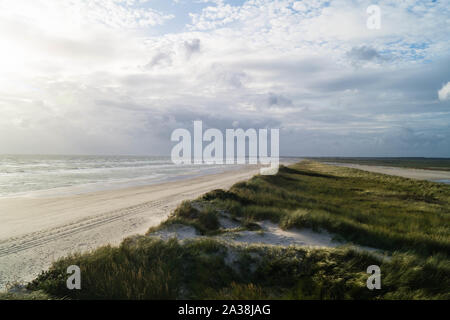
118, 76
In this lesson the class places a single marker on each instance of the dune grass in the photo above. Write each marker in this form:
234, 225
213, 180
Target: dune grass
377, 210
147, 268
412, 163
33, 295
410, 218
204, 219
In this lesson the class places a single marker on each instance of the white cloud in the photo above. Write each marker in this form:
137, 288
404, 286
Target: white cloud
93, 75
444, 93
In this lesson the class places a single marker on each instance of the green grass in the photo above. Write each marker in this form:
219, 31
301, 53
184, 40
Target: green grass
417, 163
146, 268
371, 209
409, 218
204, 219
34, 295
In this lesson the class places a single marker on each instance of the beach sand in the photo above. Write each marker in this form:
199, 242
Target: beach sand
34, 232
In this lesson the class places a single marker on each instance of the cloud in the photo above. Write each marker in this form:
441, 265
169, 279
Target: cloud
365, 54
444, 93
278, 100
115, 76
159, 59
192, 46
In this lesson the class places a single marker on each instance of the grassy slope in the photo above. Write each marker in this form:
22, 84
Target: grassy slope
371, 209
402, 215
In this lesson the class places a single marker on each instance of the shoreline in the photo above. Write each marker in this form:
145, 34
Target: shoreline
86, 188
34, 232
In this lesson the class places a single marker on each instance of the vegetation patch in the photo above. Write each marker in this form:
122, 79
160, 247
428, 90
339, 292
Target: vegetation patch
146, 268
413, 163
370, 209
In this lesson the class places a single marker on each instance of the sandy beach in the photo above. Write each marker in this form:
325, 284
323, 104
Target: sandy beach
36, 231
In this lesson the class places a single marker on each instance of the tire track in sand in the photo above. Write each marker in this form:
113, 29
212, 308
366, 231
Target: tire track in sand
28, 241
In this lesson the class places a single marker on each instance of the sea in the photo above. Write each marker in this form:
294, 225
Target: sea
52, 175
